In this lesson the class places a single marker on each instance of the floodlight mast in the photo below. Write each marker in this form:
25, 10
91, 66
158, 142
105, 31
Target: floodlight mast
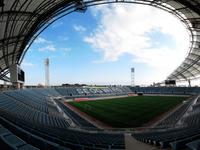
46, 63
132, 76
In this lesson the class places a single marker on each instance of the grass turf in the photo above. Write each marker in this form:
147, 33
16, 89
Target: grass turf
130, 111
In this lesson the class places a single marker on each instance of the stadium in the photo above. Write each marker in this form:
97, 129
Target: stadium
85, 117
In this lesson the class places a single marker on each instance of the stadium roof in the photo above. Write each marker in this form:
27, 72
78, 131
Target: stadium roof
21, 21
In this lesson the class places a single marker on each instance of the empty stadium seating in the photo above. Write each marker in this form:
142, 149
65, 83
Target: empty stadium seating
29, 114
75, 117
10, 141
171, 133
69, 92
173, 118
176, 138
33, 121
167, 90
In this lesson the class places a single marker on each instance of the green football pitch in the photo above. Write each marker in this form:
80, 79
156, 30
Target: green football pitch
128, 112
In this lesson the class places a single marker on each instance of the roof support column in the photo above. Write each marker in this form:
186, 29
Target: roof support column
189, 82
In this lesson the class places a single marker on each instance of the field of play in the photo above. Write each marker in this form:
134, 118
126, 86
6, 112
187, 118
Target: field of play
128, 112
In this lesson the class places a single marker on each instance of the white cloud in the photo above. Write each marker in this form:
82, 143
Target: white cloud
97, 10
63, 38
79, 28
49, 47
41, 40
45, 45
66, 49
27, 64
124, 29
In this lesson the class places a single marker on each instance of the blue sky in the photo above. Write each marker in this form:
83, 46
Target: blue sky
101, 45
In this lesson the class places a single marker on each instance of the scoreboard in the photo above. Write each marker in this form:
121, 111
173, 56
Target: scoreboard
20, 75
17, 75
170, 82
